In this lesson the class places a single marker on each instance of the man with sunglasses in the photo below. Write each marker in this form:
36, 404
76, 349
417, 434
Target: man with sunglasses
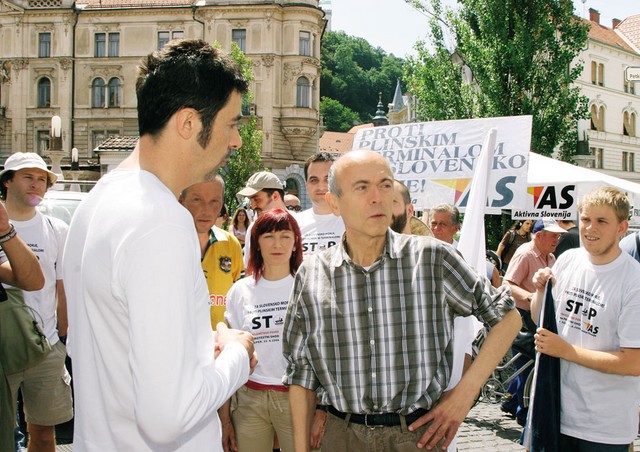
265, 192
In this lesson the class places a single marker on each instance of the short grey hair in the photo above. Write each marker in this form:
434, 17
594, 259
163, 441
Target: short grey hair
447, 208
333, 182
211, 177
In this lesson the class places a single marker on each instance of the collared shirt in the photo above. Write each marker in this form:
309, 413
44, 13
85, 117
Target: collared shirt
222, 266
526, 261
379, 340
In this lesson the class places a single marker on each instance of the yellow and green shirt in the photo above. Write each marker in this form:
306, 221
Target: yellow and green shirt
222, 265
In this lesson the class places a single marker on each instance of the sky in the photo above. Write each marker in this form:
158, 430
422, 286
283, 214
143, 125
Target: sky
395, 26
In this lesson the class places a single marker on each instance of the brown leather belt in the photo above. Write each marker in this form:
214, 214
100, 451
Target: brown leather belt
379, 419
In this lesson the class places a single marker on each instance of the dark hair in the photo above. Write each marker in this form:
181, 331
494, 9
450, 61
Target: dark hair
234, 220
269, 191
185, 73
8, 176
404, 191
270, 221
318, 157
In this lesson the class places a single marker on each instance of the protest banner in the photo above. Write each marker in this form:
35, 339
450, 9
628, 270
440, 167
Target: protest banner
436, 160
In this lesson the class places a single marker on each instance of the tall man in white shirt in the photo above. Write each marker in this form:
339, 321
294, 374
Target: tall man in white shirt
149, 372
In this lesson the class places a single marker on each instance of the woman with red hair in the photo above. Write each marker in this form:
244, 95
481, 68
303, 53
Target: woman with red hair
258, 304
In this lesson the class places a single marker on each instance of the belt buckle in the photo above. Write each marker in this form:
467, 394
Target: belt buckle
366, 423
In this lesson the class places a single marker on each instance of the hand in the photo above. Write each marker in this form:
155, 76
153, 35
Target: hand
317, 428
551, 344
445, 417
228, 437
541, 277
226, 335
5, 226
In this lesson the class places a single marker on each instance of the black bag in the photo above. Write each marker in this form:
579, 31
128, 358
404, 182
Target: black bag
23, 344
525, 341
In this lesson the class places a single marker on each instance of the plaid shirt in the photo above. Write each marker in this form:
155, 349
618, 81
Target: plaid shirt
379, 340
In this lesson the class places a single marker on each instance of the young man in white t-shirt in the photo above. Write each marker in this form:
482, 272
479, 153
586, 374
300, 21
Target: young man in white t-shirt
597, 305
46, 387
320, 228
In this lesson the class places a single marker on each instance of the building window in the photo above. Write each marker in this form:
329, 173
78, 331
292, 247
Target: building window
628, 161
597, 153
601, 74
43, 142
165, 36
597, 73
629, 124
239, 36
303, 91
44, 45
101, 45
115, 92
629, 87
98, 93
305, 43
597, 118
44, 93
114, 44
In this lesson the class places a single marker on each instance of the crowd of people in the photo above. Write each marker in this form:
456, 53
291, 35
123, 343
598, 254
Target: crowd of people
339, 327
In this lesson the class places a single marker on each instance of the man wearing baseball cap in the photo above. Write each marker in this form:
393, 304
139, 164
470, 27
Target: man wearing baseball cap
527, 260
265, 192
45, 387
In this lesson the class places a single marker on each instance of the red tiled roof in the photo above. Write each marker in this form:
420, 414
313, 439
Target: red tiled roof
630, 28
336, 142
354, 129
606, 35
98, 4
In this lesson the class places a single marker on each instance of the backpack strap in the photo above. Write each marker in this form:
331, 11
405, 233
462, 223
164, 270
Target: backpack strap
510, 240
638, 244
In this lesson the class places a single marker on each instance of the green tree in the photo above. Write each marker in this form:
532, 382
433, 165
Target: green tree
354, 72
503, 58
246, 160
509, 57
337, 117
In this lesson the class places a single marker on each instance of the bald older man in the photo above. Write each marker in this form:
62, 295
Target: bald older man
369, 325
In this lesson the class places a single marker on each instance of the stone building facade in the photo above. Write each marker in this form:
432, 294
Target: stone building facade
614, 103
78, 59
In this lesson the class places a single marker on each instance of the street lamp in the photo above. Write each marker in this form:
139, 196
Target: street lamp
55, 152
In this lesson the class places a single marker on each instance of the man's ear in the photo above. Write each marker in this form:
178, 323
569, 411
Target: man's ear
410, 210
332, 201
187, 122
623, 226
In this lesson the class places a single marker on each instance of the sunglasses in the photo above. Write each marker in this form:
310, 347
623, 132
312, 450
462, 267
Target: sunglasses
294, 208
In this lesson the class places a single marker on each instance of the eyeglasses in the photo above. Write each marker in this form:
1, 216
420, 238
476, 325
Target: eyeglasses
295, 208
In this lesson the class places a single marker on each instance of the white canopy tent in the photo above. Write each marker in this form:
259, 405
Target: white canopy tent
547, 171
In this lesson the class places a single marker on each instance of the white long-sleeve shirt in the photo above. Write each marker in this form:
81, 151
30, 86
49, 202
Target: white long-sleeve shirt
140, 335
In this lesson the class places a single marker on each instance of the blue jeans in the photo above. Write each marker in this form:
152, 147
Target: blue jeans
18, 435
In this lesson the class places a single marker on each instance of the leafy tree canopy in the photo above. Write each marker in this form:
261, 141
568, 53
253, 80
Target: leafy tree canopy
506, 57
246, 160
354, 72
337, 117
